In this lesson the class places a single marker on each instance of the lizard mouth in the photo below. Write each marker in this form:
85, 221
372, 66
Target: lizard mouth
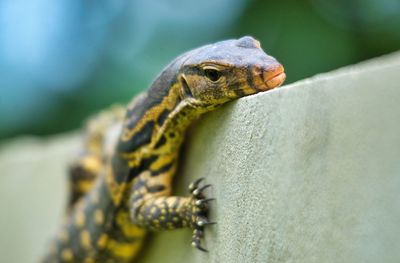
274, 78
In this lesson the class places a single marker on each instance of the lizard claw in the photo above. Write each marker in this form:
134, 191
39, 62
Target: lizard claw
197, 235
193, 186
201, 202
199, 212
197, 245
198, 191
202, 221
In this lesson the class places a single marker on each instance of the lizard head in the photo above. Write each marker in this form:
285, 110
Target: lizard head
227, 70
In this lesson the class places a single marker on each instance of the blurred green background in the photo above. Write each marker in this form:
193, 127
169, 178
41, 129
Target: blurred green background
61, 61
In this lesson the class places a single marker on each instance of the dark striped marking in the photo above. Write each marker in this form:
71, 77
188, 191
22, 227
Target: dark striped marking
250, 78
141, 138
145, 164
163, 116
155, 188
238, 91
161, 142
163, 169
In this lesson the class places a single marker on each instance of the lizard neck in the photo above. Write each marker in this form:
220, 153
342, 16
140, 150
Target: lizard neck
166, 119
160, 131
154, 125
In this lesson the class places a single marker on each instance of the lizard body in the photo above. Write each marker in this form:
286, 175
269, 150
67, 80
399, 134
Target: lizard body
121, 187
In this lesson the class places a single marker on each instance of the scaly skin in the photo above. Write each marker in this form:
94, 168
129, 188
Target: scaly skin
122, 193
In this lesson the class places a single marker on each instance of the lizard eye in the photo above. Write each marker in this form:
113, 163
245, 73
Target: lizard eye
212, 74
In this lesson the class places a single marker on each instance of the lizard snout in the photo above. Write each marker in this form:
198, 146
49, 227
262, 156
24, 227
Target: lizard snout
274, 76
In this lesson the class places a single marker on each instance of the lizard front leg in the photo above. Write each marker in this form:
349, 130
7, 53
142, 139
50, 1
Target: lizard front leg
156, 212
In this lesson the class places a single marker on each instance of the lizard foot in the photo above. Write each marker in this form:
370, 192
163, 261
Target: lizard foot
200, 209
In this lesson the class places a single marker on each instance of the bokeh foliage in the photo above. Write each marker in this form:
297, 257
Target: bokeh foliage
61, 61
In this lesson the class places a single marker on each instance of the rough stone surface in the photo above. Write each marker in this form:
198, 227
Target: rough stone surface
306, 173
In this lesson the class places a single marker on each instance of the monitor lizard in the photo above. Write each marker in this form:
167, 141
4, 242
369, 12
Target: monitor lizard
120, 188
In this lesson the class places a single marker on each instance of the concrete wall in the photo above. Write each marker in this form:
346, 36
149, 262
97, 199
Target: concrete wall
306, 173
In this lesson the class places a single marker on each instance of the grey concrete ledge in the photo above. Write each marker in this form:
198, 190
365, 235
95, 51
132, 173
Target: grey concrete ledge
306, 173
